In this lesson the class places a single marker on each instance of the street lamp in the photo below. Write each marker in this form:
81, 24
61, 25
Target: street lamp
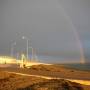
12, 48
27, 44
32, 52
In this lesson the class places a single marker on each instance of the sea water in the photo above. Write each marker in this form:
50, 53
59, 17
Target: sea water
79, 66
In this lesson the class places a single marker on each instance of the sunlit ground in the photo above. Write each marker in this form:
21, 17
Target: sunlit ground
7, 61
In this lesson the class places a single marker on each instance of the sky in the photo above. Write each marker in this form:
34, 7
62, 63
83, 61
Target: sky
54, 27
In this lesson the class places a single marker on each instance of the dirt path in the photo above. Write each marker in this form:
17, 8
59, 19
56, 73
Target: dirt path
84, 82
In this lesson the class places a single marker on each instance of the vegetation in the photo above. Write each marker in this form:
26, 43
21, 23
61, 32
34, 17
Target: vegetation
54, 84
10, 81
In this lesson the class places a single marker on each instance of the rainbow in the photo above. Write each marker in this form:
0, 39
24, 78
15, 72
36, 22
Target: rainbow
82, 57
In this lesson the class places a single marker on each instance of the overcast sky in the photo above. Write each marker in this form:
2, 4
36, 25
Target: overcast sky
49, 24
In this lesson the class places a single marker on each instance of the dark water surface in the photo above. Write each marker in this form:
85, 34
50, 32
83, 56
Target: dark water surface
79, 66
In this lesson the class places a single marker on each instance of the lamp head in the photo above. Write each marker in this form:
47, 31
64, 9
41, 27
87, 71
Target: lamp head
23, 37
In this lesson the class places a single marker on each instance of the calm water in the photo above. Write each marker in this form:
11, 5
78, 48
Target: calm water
79, 66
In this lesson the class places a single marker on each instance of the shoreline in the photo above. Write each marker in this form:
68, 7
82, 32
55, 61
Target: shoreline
73, 67
49, 72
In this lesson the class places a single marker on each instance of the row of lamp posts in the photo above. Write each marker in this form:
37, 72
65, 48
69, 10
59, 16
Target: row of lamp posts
27, 47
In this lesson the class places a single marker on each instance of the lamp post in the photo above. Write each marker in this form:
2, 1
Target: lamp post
12, 49
32, 52
27, 44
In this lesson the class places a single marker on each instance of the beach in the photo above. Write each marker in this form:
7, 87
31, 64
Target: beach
40, 73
